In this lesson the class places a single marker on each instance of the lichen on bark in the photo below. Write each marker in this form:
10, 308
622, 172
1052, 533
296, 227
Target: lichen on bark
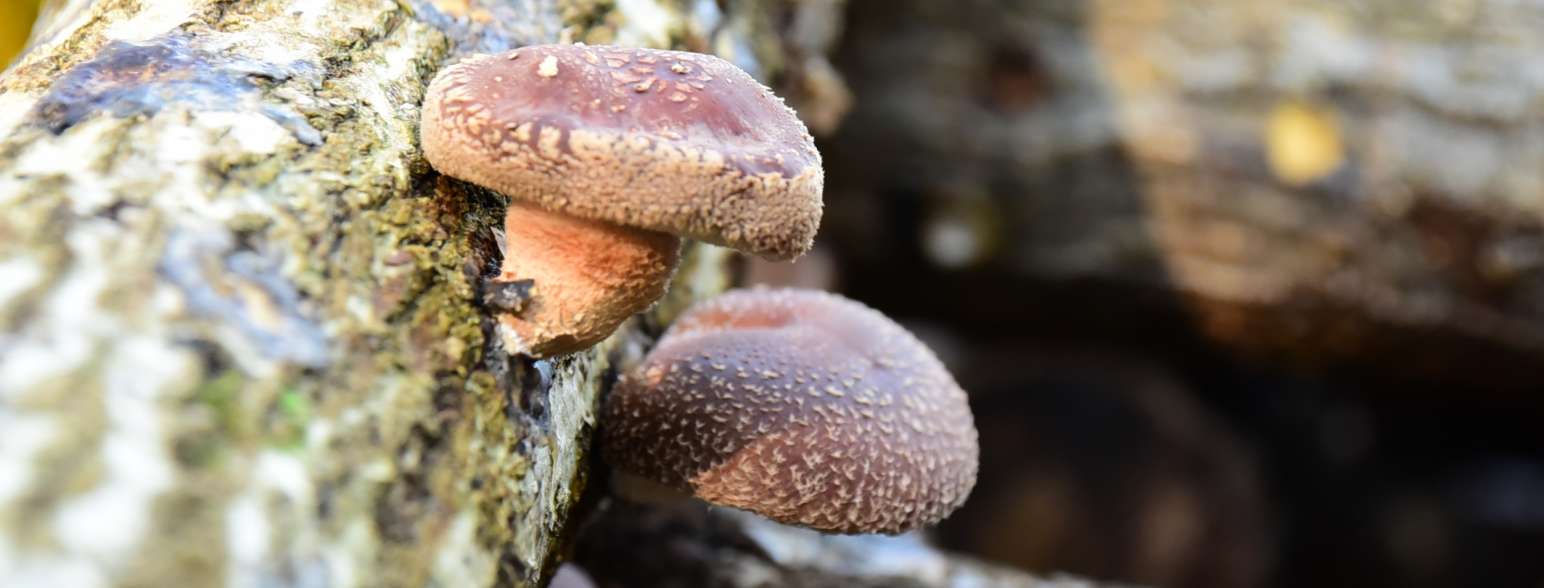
241, 339
239, 333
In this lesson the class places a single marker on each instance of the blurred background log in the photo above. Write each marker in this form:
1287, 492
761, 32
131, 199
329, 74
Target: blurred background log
1276, 259
1330, 184
687, 545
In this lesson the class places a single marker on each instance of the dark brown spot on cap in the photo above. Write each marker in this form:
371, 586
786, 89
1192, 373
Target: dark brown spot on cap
670, 141
802, 406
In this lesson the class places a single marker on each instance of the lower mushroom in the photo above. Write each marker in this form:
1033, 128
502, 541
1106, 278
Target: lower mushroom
588, 276
804, 407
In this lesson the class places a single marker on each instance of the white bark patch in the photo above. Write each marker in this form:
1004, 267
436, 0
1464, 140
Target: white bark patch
14, 107
17, 276
341, 557
286, 45
279, 498
62, 157
156, 18
309, 13
106, 523
101, 527
34, 570
251, 133
287, 474
65, 330
247, 537
25, 436
461, 561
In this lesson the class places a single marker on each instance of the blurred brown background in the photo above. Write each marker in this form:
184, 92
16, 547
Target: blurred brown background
1245, 294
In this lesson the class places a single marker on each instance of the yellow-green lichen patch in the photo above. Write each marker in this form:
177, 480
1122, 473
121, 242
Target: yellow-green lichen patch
596, 18
291, 414
212, 422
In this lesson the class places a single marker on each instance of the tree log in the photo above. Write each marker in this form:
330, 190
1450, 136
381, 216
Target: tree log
241, 339
1322, 182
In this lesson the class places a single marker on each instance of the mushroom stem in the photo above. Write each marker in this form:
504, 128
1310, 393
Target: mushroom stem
589, 277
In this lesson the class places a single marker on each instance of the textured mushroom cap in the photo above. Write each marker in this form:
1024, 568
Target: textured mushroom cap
677, 142
802, 406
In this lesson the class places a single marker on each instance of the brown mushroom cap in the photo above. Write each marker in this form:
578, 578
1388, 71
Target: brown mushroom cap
802, 406
676, 142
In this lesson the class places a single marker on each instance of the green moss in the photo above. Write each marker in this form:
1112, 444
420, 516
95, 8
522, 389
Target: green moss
292, 413
221, 395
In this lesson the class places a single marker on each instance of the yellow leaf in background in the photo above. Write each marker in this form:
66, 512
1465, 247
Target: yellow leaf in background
1302, 142
16, 18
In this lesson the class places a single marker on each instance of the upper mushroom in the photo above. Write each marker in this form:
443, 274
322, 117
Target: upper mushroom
635, 146
804, 407
669, 141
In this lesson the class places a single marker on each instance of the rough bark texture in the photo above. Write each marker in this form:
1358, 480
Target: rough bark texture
240, 332
239, 339
1326, 181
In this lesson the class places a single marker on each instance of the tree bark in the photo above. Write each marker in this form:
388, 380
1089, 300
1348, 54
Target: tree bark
240, 332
